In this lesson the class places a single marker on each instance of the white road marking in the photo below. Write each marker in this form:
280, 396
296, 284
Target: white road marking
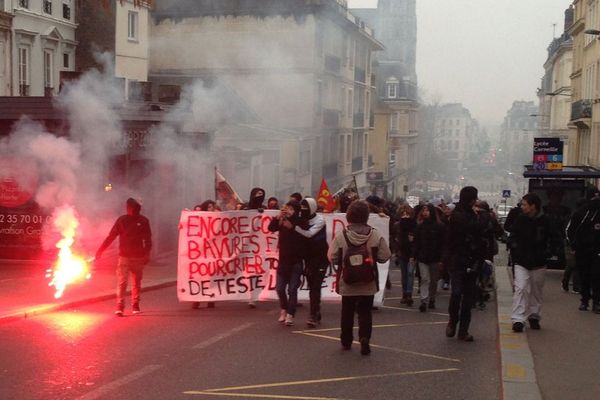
222, 336
105, 389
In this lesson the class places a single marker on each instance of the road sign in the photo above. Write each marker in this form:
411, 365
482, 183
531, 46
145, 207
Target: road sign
506, 193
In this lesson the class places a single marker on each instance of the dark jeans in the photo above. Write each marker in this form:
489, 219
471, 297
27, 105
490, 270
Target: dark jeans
361, 305
408, 275
288, 276
462, 298
572, 271
588, 266
314, 278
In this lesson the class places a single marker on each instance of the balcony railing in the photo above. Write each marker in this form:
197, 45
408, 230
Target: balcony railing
332, 64
359, 75
357, 164
581, 109
330, 170
358, 120
331, 118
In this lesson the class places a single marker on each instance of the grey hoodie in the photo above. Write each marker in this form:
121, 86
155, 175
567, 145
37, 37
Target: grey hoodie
357, 235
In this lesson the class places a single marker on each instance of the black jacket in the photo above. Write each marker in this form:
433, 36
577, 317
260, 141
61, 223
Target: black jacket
464, 245
290, 242
429, 241
583, 230
533, 240
401, 243
135, 236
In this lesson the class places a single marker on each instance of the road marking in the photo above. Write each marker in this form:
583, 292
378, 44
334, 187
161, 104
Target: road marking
376, 326
515, 371
264, 396
105, 389
222, 336
326, 380
415, 310
385, 348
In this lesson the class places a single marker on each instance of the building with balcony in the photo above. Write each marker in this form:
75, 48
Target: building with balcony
554, 95
5, 51
393, 144
301, 66
42, 45
119, 28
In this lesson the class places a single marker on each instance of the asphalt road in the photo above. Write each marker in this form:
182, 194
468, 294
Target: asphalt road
173, 352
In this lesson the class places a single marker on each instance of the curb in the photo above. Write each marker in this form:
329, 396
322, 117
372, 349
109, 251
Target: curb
48, 308
519, 381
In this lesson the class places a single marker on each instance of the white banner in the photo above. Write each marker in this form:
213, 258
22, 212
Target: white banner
232, 255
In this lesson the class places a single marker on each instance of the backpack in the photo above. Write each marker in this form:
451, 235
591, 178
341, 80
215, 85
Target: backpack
359, 265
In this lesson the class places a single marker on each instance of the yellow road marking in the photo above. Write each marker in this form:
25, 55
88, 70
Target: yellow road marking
386, 348
376, 326
414, 310
262, 396
326, 380
515, 371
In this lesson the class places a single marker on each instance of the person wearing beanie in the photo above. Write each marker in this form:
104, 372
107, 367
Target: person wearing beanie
135, 243
312, 227
465, 251
289, 269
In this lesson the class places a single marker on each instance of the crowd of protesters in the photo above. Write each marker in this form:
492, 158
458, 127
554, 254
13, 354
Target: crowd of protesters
447, 246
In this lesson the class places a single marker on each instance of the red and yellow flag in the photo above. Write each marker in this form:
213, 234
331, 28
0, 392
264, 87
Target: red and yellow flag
324, 198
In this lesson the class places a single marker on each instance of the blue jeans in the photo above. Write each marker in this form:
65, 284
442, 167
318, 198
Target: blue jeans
408, 275
288, 275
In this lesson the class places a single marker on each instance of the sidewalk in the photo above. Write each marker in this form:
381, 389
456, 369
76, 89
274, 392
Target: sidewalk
25, 289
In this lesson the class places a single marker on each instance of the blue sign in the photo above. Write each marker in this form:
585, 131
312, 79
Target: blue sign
506, 193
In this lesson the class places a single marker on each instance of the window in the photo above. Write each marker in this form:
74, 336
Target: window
48, 70
343, 101
24, 3
394, 121
67, 9
47, 6
132, 25
66, 60
23, 71
349, 100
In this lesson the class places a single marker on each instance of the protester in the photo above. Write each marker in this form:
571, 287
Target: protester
272, 203
312, 227
135, 243
583, 233
403, 235
356, 252
296, 196
427, 253
465, 253
533, 241
289, 269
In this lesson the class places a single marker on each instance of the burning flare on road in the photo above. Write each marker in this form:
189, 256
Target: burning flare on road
68, 268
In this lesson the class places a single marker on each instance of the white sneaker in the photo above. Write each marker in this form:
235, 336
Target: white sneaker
282, 314
289, 320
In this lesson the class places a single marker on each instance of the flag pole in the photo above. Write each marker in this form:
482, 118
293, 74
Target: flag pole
215, 185
356, 186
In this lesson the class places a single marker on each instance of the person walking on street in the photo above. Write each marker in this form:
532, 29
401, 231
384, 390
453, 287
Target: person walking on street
289, 269
533, 241
356, 252
465, 252
403, 236
583, 233
312, 227
427, 253
135, 243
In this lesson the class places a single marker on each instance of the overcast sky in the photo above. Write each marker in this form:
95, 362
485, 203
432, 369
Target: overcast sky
483, 53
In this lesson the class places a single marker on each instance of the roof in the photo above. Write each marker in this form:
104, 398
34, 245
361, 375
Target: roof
582, 172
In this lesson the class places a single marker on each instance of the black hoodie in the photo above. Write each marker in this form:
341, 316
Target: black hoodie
135, 237
255, 202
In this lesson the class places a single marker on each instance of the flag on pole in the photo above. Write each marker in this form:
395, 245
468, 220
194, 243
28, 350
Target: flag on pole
225, 197
325, 199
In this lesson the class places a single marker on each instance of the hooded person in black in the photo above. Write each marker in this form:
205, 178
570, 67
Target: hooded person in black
257, 198
465, 251
135, 243
312, 227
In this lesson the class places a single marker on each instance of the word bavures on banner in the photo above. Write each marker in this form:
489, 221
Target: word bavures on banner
232, 255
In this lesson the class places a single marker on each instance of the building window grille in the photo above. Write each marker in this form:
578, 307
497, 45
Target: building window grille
47, 7
132, 25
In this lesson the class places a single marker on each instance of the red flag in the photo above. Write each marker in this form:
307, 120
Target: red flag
324, 198
225, 197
